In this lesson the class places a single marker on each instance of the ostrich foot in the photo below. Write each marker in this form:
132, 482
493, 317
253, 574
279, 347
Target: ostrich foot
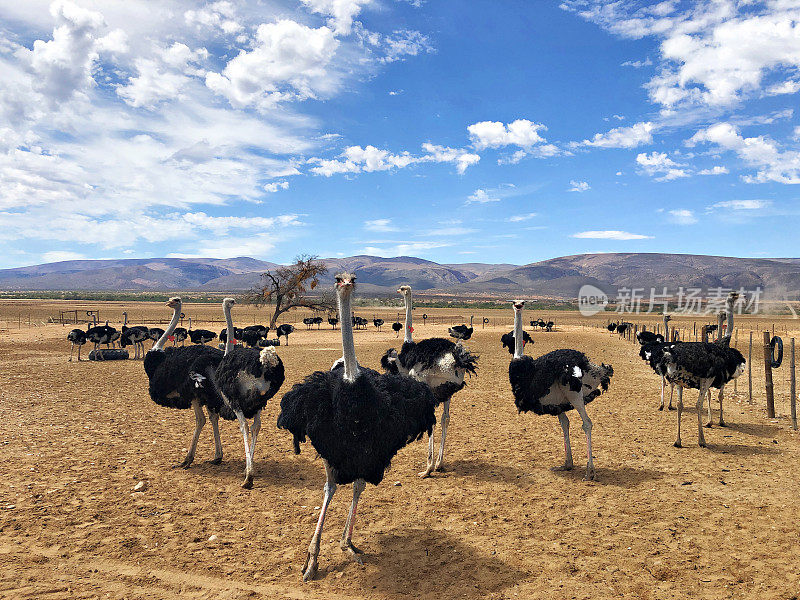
185, 464
670, 407
702, 444
661, 407
310, 567
427, 472
439, 467
722, 423
353, 552
217, 460
678, 444
708, 425
248, 481
589, 475
564, 467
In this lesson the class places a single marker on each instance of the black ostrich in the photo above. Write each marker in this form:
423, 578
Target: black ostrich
317, 321
357, 420
652, 355
333, 322
200, 336
462, 332
77, 337
100, 334
378, 323
179, 335
700, 366
154, 333
436, 362
246, 379
508, 340
396, 327
253, 334
549, 326
556, 383
612, 327
182, 378
308, 322
134, 336
284, 330
622, 328
649, 337
237, 335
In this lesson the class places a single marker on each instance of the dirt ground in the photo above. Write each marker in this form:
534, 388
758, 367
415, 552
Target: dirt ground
659, 522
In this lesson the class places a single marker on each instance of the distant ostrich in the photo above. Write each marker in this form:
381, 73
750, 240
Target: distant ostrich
253, 334
700, 366
77, 337
556, 383
100, 334
622, 328
437, 362
378, 323
237, 335
333, 322
317, 321
508, 340
359, 322
179, 379
549, 326
612, 327
652, 355
357, 420
246, 379
179, 335
133, 336
308, 322
154, 333
200, 336
284, 330
396, 327
462, 332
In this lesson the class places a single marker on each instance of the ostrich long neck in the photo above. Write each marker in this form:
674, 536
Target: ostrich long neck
720, 321
407, 335
666, 329
348, 345
729, 307
230, 332
519, 343
159, 345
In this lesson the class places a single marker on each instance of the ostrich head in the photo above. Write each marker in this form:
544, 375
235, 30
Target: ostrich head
174, 302
518, 305
404, 290
228, 302
345, 283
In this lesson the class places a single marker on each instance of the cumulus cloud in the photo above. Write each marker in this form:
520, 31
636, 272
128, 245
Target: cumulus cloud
494, 134
716, 170
481, 196
622, 137
379, 225
610, 235
660, 165
682, 216
341, 12
355, 159
578, 186
275, 186
742, 204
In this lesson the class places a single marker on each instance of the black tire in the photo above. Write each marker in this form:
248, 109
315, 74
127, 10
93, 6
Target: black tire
109, 354
485, 320
776, 343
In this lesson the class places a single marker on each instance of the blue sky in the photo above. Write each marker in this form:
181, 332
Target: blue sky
455, 131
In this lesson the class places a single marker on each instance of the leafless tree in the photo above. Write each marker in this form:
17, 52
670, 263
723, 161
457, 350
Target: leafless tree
289, 287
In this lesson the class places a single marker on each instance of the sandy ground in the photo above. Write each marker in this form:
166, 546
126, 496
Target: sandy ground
659, 522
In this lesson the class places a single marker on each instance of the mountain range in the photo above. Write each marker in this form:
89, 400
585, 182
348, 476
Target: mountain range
557, 277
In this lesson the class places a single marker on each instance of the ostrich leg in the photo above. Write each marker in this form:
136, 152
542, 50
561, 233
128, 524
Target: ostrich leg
199, 422
710, 417
431, 447
721, 396
567, 466
214, 418
663, 383
71, 350
310, 566
254, 434
248, 471
445, 422
701, 439
347, 534
680, 410
577, 401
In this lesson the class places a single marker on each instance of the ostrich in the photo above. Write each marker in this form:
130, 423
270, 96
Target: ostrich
308, 322
154, 333
246, 379
651, 351
378, 323
253, 334
622, 328
549, 326
179, 335
612, 327
178, 379
508, 340
284, 330
134, 336
462, 332
437, 362
700, 366
200, 336
237, 335
556, 383
333, 322
317, 321
721, 317
77, 337
357, 420
100, 334
396, 327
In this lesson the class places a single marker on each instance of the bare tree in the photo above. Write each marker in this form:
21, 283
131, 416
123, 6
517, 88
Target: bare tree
290, 286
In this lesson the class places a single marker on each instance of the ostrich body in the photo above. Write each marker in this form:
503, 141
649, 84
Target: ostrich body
622, 328
436, 362
396, 327
246, 379
308, 322
652, 354
700, 366
179, 378
556, 383
134, 336
237, 335
612, 327
284, 330
508, 340
154, 333
378, 323
100, 334
357, 420
179, 335
253, 334
200, 336
76, 337
462, 332
333, 322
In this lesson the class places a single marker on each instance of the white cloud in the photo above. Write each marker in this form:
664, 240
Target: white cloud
481, 196
521, 218
716, 170
355, 159
610, 235
658, 163
341, 12
275, 186
682, 216
494, 134
220, 15
785, 87
761, 152
621, 137
404, 248
404, 43
379, 225
742, 204
61, 255
578, 186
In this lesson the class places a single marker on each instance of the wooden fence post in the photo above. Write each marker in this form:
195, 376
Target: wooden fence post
768, 377
792, 389
750, 370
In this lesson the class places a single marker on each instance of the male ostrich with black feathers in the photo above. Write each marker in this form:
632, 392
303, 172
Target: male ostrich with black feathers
462, 332
437, 362
357, 420
179, 378
246, 379
284, 330
507, 339
77, 337
556, 383
651, 351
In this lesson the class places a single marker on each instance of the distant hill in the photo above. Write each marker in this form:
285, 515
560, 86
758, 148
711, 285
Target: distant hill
557, 277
